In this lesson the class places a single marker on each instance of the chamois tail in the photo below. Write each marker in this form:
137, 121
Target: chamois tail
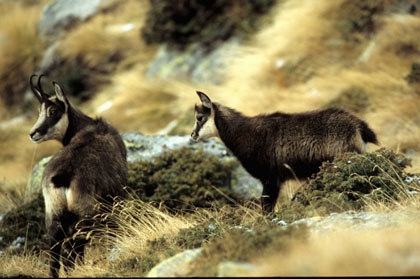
367, 134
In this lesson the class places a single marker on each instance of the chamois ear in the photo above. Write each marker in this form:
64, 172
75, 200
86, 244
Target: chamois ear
60, 93
204, 99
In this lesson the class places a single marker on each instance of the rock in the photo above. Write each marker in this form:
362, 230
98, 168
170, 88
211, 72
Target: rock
34, 184
193, 63
234, 269
62, 14
50, 59
176, 266
141, 147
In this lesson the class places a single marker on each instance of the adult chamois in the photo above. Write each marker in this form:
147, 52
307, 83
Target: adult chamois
279, 146
91, 166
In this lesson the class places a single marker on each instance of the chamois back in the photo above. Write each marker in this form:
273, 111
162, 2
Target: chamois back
279, 146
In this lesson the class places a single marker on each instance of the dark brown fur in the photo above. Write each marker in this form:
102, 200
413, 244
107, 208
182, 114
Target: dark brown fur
268, 146
90, 167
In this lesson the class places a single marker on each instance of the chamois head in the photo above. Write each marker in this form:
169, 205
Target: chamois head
205, 126
53, 118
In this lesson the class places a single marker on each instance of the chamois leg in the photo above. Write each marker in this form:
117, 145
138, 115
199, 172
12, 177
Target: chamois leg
55, 237
269, 196
69, 254
75, 251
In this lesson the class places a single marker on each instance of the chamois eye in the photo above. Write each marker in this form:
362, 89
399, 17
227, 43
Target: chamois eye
199, 118
53, 111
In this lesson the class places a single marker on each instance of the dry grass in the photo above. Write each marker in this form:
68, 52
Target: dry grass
110, 36
139, 105
20, 48
23, 265
346, 252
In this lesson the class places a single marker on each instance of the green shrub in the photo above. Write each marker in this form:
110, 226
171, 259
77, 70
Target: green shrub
183, 179
184, 22
79, 80
350, 182
358, 16
414, 76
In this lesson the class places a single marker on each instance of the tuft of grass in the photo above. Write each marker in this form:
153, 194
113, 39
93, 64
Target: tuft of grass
143, 236
30, 265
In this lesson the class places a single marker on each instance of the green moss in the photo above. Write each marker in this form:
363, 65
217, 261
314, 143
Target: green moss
350, 182
26, 221
353, 98
183, 179
205, 22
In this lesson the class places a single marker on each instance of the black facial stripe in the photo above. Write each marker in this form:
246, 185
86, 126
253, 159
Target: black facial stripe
52, 119
48, 123
200, 124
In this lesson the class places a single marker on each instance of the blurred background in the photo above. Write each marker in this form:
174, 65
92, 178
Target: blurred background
138, 63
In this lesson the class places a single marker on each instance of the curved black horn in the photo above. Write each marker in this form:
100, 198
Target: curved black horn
34, 90
43, 95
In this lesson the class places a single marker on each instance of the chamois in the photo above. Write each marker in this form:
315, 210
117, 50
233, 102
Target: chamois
279, 146
91, 166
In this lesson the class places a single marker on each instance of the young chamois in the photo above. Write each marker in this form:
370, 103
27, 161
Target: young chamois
91, 166
280, 146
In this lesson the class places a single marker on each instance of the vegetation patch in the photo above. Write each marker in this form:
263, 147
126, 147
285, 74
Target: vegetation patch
207, 22
20, 47
353, 98
359, 17
183, 179
25, 221
413, 78
351, 182
243, 243
230, 233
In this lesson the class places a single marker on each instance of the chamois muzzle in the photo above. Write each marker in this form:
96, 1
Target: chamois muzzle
34, 135
194, 136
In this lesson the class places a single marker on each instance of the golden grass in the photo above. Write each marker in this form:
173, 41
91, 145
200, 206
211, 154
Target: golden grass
20, 48
23, 265
346, 252
110, 36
